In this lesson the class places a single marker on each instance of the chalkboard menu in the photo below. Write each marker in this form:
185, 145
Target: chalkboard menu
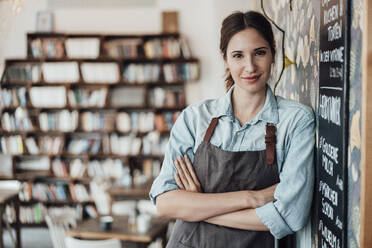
333, 123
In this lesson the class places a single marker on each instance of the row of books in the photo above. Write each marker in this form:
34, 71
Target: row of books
129, 48
130, 144
101, 72
91, 145
150, 170
87, 97
152, 143
66, 121
14, 144
165, 121
54, 192
98, 120
147, 73
124, 145
44, 144
47, 48
181, 72
11, 145
13, 97
36, 213
79, 168
162, 48
145, 121
18, 120
135, 121
23, 72
55, 97
62, 120
141, 73
167, 97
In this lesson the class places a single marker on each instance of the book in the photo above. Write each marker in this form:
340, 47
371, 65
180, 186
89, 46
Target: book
31, 145
82, 47
48, 97
60, 72
123, 48
100, 72
127, 96
33, 163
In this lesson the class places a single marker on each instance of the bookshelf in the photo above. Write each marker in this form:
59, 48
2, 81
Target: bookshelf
86, 106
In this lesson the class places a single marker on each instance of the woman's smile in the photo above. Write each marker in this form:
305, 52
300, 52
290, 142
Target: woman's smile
251, 79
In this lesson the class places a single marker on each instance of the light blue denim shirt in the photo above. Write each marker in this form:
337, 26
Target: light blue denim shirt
294, 150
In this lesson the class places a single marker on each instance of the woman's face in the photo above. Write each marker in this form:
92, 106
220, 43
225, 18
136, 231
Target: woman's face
249, 60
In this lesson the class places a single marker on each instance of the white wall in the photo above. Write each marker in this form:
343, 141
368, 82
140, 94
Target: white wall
199, 21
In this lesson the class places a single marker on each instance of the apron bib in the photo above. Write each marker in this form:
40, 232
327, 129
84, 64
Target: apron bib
222, 171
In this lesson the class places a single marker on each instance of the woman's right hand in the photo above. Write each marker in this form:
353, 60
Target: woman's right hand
185, 177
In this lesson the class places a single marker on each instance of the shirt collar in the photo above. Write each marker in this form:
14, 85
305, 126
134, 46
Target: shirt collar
269, 112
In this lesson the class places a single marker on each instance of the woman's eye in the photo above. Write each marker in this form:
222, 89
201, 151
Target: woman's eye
260, 52
238, 55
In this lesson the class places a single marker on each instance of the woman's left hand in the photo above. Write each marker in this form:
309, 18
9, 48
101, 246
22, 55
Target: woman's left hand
186, 178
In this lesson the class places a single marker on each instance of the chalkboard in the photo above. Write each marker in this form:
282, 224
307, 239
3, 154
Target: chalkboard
333, 123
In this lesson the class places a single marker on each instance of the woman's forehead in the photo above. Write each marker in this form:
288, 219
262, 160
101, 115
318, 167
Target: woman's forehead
247, 39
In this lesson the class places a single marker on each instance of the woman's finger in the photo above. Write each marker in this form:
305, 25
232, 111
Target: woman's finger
181, 174
178, 181
191, 170
186, 172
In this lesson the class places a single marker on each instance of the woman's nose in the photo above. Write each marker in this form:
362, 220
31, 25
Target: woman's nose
249, 65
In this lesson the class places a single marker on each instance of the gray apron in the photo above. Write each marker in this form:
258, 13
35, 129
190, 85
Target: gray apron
222, 171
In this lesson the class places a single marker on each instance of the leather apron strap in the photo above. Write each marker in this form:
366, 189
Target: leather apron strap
270, 139
210, 130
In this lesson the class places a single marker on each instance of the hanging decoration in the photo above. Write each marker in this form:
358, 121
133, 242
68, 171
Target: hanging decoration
285, 61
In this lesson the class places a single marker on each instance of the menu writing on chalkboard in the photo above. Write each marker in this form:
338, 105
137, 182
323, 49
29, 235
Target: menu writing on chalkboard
332, 123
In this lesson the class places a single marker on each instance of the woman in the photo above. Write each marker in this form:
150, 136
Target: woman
238, 170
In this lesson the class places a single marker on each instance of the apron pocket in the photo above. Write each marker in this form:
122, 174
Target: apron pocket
184, 246
188, 239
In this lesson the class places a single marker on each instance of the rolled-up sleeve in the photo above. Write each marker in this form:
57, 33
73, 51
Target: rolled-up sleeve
290, 212
181, 141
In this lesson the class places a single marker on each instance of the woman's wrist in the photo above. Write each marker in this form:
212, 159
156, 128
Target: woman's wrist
258, 198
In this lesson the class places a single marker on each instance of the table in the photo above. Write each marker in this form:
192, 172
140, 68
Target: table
10, 196
91, 229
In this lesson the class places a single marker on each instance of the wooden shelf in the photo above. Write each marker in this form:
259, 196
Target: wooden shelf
172, 91
104, 59
133, 193
113, 108
41, 224
97, 84
55, 202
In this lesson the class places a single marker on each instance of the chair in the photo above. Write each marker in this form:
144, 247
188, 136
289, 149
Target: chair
79, 243
57, 225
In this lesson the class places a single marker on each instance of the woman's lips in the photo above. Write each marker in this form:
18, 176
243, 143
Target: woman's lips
251, 79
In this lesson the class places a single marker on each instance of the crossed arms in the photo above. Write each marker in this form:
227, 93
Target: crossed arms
231, 209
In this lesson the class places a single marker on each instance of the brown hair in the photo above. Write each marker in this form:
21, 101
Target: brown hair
239, 21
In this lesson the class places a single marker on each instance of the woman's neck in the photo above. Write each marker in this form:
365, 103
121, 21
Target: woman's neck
245, 105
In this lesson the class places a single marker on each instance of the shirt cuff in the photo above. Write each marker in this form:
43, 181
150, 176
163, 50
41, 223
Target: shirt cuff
270, 216
155, 192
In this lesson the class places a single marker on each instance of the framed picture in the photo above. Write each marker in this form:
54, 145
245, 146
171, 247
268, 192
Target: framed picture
170, 21
44, 21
